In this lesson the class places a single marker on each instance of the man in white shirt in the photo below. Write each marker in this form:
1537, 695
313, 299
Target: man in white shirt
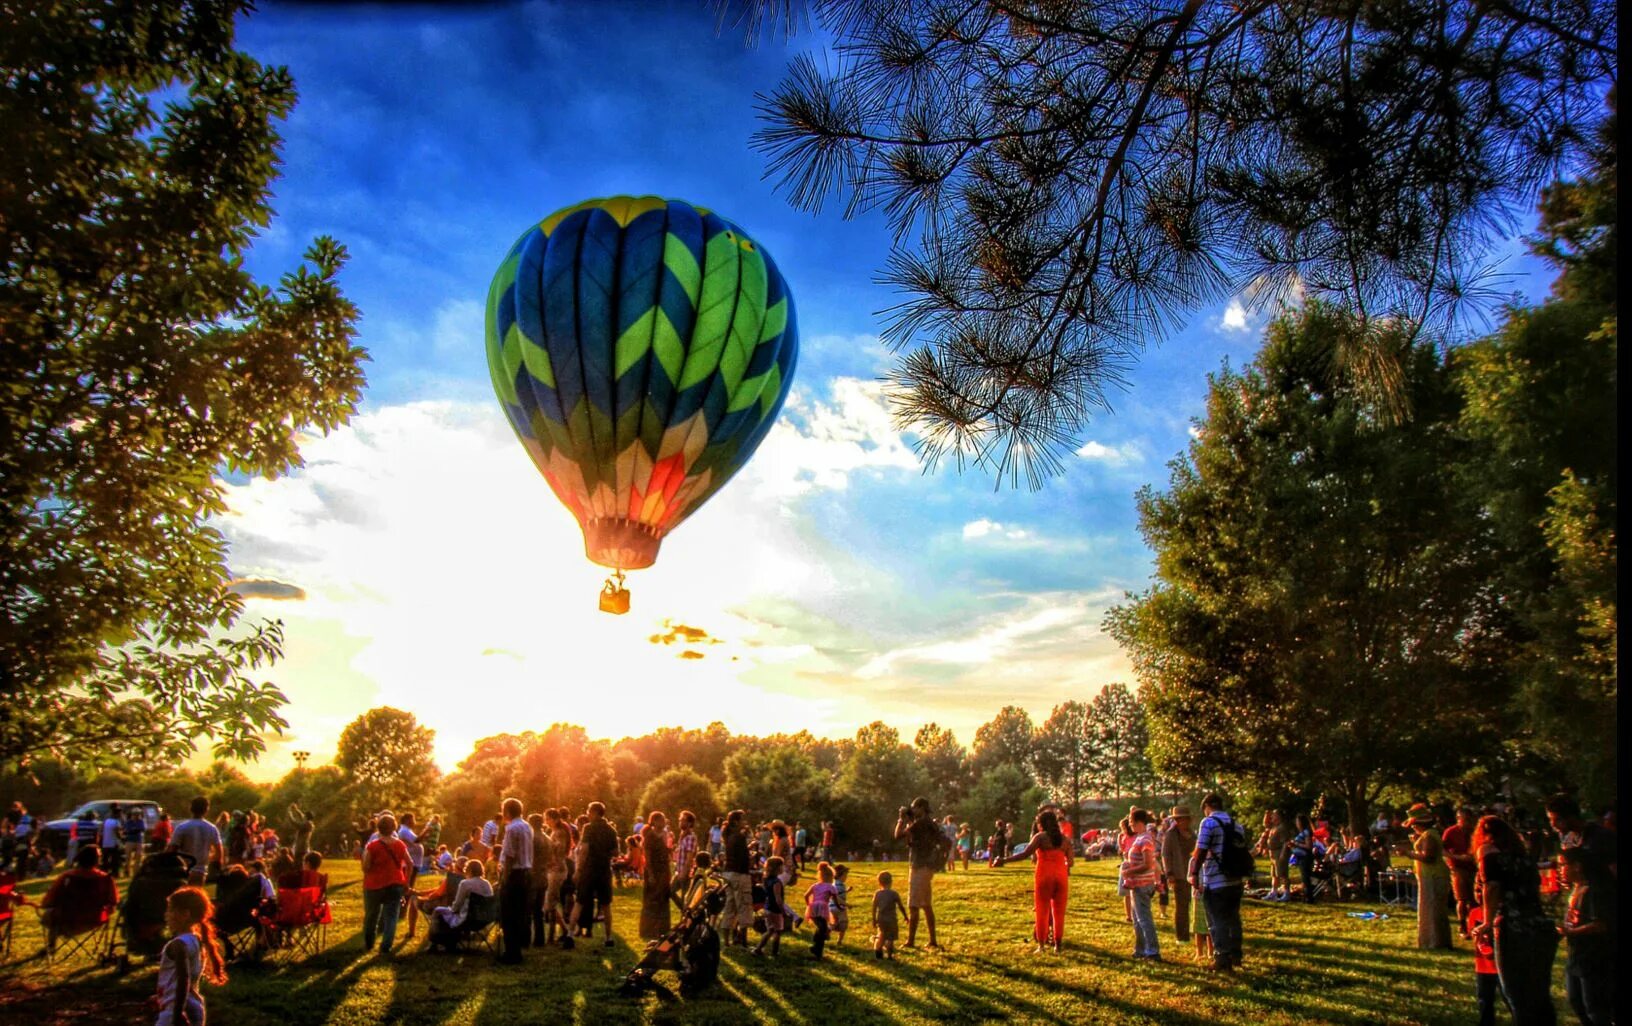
199, 838
490, 833
515, 872
109, 841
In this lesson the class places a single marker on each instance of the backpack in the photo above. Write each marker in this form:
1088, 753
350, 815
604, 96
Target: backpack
1235, 861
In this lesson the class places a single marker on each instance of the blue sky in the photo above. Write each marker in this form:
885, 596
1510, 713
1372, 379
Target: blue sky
836, 582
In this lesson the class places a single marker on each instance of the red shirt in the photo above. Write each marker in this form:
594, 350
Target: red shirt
1457, 841
161, 833
1484, 954
387, 863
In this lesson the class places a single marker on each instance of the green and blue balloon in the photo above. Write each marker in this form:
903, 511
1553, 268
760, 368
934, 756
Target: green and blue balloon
641, 348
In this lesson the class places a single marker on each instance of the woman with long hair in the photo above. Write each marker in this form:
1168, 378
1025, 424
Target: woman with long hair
1521, 933
655, 877
193, 952
1051, 881
1433, 879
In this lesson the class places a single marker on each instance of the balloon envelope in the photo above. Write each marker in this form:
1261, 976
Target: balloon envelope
641, 349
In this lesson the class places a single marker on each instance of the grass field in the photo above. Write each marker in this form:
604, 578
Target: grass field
1303, 965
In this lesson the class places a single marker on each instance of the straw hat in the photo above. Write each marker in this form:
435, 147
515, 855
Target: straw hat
1419, 814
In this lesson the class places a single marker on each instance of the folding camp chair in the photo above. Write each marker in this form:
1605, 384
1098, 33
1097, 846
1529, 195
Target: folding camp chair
140, 925
237, 918
298, 927
10, 901
79, 922
481, 918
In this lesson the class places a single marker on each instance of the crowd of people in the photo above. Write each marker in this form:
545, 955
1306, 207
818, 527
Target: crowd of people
550, 878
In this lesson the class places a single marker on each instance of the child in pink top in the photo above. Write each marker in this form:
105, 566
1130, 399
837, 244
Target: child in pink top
817, 902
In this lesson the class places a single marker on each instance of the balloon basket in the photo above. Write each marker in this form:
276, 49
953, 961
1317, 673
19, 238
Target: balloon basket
614, 596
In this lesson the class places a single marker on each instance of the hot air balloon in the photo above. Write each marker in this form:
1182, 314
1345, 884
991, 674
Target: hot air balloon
641, 348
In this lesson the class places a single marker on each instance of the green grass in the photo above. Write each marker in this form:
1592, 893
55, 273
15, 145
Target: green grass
1303, 965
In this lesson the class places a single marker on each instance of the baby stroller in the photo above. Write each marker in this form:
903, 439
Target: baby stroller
691, 948
141, 915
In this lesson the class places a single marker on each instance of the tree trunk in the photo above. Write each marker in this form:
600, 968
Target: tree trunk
1359, 808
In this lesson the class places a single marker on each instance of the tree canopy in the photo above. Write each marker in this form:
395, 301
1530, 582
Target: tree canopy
386, 756
141, 359
1321, 614
1069, 180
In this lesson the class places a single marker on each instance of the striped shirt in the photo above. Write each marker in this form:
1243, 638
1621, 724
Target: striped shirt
1139, 867
685, 851
517, 852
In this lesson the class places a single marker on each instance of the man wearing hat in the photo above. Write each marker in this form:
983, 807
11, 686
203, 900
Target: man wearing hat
1433, 879
1178, 841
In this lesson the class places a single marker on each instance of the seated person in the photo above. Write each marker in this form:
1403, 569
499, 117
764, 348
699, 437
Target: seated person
307, 875
79, 897
237, 898
444, 858
446, 921
257, 876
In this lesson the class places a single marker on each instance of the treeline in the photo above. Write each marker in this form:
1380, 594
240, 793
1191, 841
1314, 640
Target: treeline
1083, 750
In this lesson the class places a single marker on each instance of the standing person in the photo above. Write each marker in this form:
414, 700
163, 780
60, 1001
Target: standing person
111, 840
1051, 881
191, 953
386, 871
685, 856
1487, 984
829, 839
1139, 873
538, 880
999, 849
199, 839
839, 907
557, 841
716, 839
776, 903
1301, 854
1589, 929
966, 845
1514, 922
949, 830
801, 839
491, 831
597, 847
738, 914
1272, 844
1215, 872
656, 878
1433, 879
915, 825
515, 876
1596, 841
886, 916
1457, 844
132, 835
1177, 844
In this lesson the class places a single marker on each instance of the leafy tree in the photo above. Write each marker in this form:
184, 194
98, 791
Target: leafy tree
140, 359
704, 750
777, 783
386, 757
321, 792
1542, 404
1322, 617
944, 761
471, 793
563, 767
1067, 180
1005, 740
681, 788
228, 789
880, 775
1067, 746
1121, 737
1003, 792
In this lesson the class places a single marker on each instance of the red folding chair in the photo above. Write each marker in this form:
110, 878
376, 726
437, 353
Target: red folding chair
10, 901
299, 926
79, 922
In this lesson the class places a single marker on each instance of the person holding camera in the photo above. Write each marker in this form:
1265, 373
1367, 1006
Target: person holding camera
925, 854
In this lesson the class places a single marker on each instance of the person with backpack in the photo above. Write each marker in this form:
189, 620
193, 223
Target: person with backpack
1220, 869
927, 850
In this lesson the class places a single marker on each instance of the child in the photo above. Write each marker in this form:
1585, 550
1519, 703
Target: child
887, 911
1588, 928
840, 909
1487, 985
775, 915
818, 901
191, 953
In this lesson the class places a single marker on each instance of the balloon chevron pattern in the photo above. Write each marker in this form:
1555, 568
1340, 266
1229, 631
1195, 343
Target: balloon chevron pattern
641, 349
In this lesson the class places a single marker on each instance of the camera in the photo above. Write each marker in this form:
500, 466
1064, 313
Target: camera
905, 812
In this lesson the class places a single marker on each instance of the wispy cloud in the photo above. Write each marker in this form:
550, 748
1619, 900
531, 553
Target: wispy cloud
983, 528
1112, 455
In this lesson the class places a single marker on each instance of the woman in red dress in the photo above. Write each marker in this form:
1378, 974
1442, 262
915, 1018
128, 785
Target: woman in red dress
1051, 853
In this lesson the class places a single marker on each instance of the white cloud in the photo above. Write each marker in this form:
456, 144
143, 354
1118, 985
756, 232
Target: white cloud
820, 445
1235, 317
984, 528
1113, 455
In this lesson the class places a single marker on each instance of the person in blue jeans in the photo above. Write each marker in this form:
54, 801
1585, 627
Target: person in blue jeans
1220, 893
